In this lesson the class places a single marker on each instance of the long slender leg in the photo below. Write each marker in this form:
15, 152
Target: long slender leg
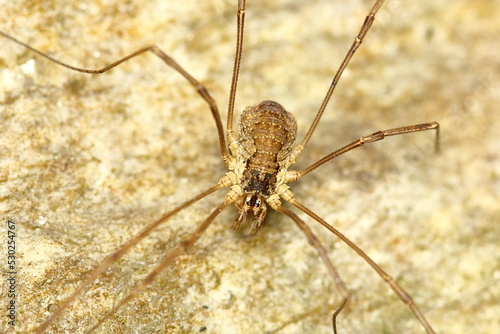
201, 89
313, 241
355, 44
379, 135
236, 68
402, 294
172, 255
108, 261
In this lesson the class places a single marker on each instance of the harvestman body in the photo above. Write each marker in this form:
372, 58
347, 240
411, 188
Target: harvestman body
258, 163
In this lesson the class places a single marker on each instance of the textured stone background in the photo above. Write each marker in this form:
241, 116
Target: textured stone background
87, 161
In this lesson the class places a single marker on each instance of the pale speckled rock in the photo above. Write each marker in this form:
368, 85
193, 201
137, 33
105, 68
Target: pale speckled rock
87, 161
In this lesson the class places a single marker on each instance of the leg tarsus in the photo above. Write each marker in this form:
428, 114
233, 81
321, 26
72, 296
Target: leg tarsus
402, 294
200, 89
314, 241
376, 136
337, 312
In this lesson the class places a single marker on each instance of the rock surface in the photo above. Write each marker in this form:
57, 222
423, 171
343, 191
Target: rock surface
87, 161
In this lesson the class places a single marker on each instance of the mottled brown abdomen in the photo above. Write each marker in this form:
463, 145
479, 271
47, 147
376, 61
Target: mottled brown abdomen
267, 133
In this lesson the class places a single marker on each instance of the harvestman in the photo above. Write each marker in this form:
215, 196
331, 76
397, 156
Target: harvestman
257, 163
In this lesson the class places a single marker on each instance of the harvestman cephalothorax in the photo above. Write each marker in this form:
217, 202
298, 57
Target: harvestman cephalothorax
258, 159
